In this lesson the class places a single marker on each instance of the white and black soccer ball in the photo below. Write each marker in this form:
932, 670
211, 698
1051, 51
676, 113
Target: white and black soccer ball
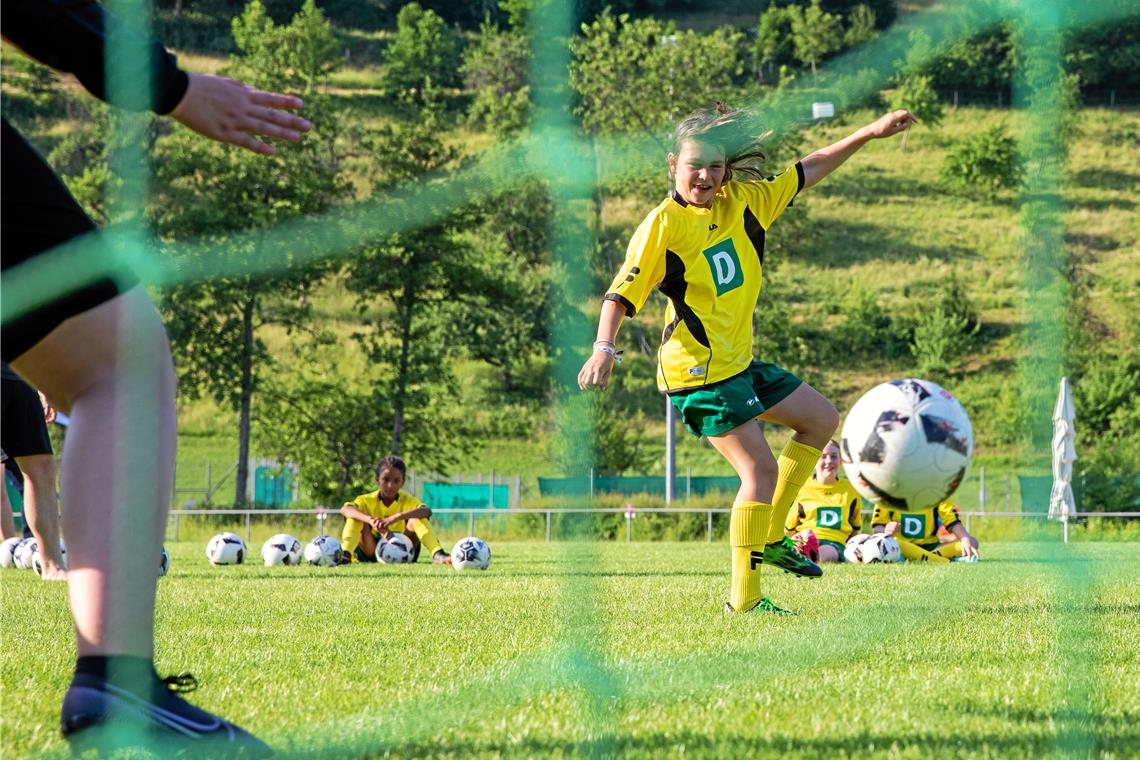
226, 549
24, 552
324, 551
853, 551
8, 551
37, 562
164, 563
397, 549
281, 549
880, 548
471, 553
907, 444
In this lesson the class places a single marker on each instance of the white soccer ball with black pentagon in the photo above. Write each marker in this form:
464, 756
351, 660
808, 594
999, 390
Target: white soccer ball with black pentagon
906, 444
397, 549
226, 549
8, 551
471, 553
880, 548
164, 563
24, 552
853, 551
281, 549
324, 551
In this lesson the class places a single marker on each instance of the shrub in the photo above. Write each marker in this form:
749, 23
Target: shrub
986, 163
945, 333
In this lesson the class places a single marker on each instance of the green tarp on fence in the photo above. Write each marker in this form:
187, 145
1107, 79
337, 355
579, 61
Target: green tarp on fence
465, 496
630, 485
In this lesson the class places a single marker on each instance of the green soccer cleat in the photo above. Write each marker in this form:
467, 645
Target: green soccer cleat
764, 605
783, 555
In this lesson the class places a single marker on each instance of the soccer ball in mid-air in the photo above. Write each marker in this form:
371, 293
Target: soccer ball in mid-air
226, 549
164, 563
397, 549
8, 551
281, 549
324, 551
906, 444
880, 548
24, 552
471, 553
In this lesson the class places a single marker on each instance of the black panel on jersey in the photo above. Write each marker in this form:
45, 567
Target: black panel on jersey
755, 232
674, 286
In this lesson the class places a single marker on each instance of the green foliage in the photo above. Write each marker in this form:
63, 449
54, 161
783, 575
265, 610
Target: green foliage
982, 62
984, 164
917, 96
860, 26
644, 74
496, 69
292, 57
944, 333
596, 430
773, 44
815, 33
1107, 402
424, 54
868, 330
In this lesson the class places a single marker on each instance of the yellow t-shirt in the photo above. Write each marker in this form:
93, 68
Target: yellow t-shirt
831, 511
920, 527
371, 504
708, 262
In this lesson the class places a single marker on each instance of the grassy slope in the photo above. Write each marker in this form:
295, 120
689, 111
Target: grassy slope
570, 649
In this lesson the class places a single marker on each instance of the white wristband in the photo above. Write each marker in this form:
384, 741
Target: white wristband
609, 350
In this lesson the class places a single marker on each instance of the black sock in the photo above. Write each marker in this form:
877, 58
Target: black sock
133, 673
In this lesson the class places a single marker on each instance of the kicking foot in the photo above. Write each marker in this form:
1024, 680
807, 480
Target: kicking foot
783, 555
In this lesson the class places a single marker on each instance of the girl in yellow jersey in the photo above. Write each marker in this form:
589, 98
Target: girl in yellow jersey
372, 516
828, 507
703, 247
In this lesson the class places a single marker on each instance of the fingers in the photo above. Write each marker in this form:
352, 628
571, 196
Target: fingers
275, 100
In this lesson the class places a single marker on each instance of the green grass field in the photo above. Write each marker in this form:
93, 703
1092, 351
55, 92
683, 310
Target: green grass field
592, 649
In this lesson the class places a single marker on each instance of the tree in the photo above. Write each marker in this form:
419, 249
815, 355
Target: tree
773, 45
860, 26
986, 163
424, 54
917, 96
496, 68
815, 33
209, 191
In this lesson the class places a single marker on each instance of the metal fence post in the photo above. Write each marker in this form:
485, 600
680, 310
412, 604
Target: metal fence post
248, 527
548, 526
471, 522
708, 534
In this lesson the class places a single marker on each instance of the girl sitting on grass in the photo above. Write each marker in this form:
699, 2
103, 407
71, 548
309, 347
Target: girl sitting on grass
376, 515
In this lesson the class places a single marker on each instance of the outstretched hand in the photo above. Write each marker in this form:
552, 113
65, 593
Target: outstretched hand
231, 112
891, 124
595, 373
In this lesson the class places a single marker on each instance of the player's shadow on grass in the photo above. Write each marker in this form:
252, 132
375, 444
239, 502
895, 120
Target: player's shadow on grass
1101, 178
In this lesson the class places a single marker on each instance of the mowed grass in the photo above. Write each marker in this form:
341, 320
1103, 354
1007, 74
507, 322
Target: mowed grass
571, 649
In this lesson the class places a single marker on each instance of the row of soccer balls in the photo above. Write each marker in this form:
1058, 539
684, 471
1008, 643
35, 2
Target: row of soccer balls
871, 548
24, 554
469, 553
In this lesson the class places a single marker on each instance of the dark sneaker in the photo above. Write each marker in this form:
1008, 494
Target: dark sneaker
441, 558
99, 715
764, 605
783, 555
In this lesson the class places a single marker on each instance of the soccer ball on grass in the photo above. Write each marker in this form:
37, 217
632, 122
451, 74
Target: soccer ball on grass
397, 549
8, 551
226, 549
323, 551
471, 553
906, 444
281, 549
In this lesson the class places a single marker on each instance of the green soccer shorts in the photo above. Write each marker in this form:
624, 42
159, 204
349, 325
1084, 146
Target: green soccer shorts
713, 410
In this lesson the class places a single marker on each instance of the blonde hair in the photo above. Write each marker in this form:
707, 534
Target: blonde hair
733, 131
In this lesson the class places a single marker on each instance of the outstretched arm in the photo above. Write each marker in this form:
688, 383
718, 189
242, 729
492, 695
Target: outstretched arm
826, 160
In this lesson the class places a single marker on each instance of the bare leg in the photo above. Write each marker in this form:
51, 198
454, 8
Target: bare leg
110, 370
828, 553
807, 412
42, 512
7, 518
747, 451
367, 540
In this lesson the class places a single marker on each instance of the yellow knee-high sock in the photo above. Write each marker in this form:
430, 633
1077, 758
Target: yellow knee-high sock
423, 531
915, 553
747, 527
950, 551
795, 465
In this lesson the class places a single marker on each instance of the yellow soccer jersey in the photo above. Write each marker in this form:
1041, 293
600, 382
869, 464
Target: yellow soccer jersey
371, 504
921, 527
831, 511
708, 262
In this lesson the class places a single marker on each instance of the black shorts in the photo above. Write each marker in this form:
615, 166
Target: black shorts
23, 432
38, 214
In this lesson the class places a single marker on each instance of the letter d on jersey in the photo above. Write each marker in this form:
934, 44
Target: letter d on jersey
828, 517
913, 526
725, 266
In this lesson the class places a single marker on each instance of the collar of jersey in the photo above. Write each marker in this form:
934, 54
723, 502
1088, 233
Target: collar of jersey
676, 196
